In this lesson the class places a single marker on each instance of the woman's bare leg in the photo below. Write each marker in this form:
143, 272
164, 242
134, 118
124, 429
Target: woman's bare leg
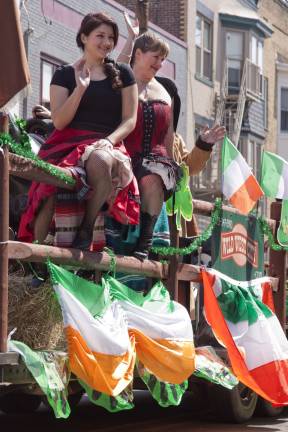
44, 219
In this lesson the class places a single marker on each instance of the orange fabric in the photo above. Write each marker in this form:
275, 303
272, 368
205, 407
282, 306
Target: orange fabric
217, 321
105, 373
170, 361
280, 386
267, 298
245, 198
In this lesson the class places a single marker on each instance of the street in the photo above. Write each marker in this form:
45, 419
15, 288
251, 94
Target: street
145, 417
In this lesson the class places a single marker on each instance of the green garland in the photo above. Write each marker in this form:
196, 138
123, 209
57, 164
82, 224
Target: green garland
266, 230
215, 217
24, 149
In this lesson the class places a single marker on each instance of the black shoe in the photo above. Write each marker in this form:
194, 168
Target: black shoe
144, 244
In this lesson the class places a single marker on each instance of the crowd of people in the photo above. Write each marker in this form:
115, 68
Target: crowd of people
116, 133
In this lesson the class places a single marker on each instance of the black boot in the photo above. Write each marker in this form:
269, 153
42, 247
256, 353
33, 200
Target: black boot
83, 238
144, 244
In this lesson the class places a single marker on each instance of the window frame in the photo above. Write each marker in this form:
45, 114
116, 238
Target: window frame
55, 63
282, 131
204, 50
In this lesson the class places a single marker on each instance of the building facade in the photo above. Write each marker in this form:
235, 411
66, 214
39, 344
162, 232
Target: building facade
275, 13
50, 28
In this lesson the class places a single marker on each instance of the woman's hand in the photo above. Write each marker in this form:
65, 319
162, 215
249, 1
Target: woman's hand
82, 74
211, 136
133, 29
40, 111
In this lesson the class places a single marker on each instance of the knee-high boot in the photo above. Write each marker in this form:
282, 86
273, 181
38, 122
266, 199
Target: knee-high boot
147, 224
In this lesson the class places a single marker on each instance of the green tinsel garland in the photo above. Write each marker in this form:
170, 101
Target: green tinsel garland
215, 217
24, 149
266, 230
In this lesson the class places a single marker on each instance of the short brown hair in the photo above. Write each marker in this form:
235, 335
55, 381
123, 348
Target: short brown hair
93, 20
150, 42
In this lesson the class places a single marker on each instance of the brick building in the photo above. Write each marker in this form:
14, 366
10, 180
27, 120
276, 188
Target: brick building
275, 12
167, 14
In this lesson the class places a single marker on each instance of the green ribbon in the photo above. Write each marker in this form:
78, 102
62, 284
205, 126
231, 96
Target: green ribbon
215, 217
24, 149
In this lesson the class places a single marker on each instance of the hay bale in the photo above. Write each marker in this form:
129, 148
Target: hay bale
36, 314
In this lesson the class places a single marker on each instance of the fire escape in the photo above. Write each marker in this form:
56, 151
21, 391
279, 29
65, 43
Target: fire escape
229, 112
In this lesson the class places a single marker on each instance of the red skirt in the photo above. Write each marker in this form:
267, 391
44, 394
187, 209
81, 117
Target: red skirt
64, 149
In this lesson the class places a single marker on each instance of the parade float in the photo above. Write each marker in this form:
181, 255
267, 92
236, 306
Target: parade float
216, 324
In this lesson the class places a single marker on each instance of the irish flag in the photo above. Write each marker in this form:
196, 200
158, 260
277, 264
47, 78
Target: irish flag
101, 352
107, 325
240, 186
162, 330
274, 176
251, 332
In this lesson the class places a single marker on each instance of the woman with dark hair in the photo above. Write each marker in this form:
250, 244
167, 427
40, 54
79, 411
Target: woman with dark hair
93, 108
150, 144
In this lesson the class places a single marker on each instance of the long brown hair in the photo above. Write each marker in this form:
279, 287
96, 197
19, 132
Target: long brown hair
89, 23
148, 41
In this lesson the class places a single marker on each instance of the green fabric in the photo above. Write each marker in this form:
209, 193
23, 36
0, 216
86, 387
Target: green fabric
158, 295
271, 172
92, 296
164, 393
183, 202
282, 232
229, 153
210, 367
50, 373
241, 304
112, 404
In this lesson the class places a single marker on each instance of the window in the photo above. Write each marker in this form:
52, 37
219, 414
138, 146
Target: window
203, 42
48, 67
252, 151
284, 109
234, 54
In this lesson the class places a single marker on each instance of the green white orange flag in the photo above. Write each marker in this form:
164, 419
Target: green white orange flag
106, 326
274, 182
240, 186
101, 353
274, 176
251, 332
162, 330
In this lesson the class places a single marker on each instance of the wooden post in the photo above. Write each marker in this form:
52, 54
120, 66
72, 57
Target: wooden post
4, 234
142, 13
277, 268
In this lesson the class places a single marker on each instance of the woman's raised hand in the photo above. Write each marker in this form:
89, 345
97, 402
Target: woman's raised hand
211, 136
82, 74
133, 29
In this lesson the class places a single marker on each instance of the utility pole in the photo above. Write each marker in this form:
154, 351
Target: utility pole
142, 13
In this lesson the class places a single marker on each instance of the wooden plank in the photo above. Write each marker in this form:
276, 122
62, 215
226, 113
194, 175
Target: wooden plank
99, 261
27, 169
205, 208
85, 259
